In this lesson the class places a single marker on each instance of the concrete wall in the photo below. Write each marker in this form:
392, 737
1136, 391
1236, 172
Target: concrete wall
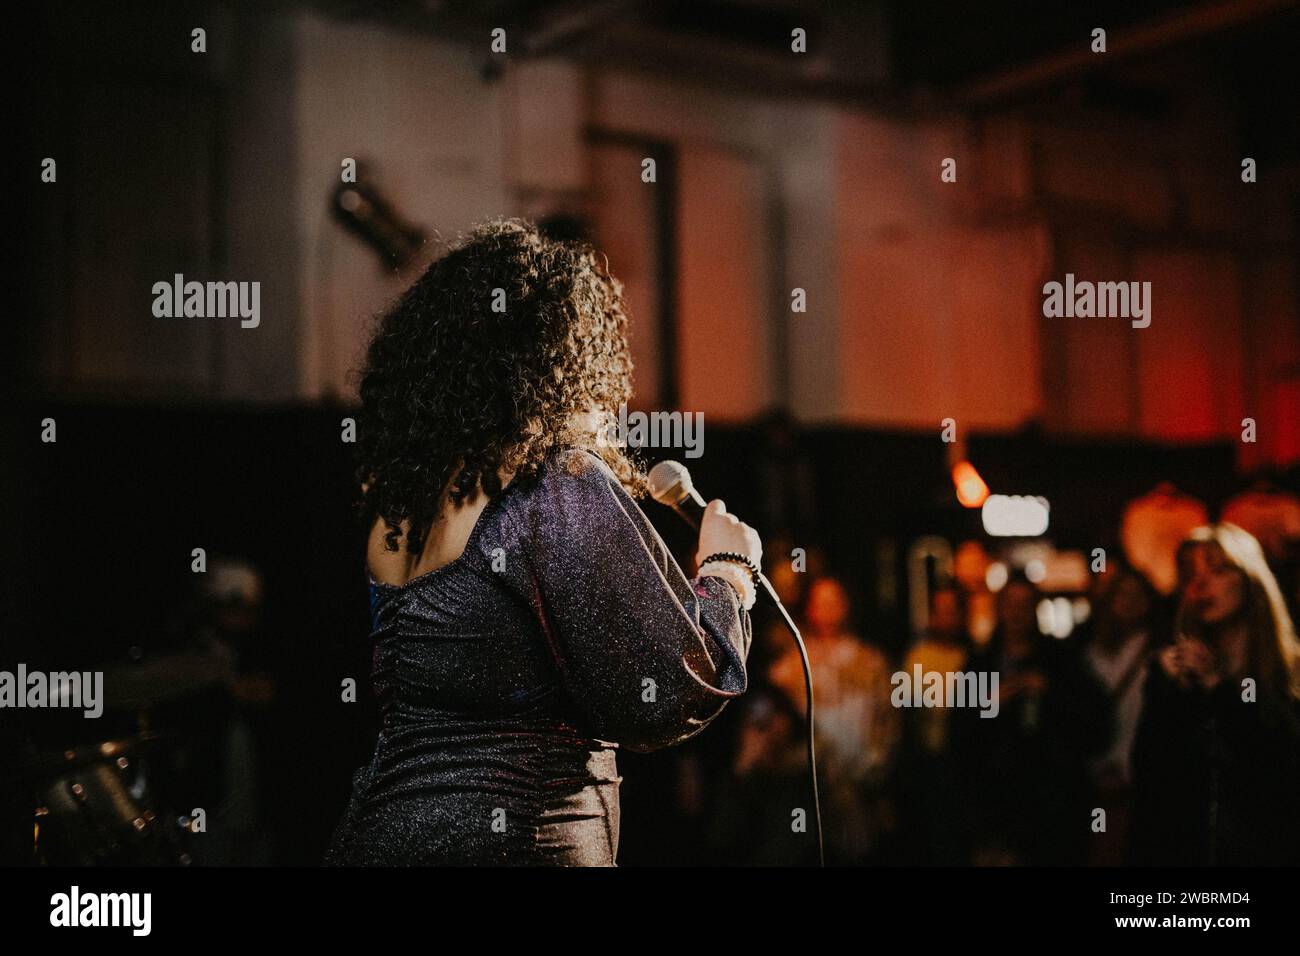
924, 297
432, 131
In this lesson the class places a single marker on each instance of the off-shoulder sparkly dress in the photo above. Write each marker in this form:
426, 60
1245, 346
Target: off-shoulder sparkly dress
508, 678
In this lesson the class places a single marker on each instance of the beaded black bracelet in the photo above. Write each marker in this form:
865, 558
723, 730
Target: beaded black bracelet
736, 558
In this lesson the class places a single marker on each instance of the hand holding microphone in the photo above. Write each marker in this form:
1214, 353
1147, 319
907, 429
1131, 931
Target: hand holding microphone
721, 532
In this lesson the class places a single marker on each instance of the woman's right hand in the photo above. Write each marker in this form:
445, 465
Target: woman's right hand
720, 531
1171, 662
1189, 661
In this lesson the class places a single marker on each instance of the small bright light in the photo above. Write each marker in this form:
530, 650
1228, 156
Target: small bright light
1054, 617
995, 578
971, 490
1035, 570
1045, 616
1082, 610
1062, 618
1015, 516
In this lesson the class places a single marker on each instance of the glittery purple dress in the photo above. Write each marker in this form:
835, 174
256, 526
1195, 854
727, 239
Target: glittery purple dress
508, 678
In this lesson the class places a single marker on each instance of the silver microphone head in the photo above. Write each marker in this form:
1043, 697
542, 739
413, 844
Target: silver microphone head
670, 483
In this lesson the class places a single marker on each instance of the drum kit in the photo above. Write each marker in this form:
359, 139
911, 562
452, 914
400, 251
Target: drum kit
105, 802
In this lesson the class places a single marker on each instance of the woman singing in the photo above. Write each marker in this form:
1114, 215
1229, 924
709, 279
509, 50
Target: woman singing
1216, 764
526, 618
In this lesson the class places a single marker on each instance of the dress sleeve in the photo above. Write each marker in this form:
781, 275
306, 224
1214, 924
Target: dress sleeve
649, 657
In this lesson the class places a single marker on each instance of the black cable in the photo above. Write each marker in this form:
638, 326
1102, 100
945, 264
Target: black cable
808, 695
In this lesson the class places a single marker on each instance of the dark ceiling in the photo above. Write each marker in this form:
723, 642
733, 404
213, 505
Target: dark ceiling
908, 54
870, 48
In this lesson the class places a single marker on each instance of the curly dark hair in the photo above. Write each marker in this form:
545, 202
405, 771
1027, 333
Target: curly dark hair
453, 390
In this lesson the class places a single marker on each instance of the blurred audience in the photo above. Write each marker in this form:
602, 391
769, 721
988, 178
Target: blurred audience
227, 732
1026, 768
929, 785
856, 728
1126, 628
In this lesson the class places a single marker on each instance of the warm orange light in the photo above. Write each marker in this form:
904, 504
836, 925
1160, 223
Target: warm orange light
971, 490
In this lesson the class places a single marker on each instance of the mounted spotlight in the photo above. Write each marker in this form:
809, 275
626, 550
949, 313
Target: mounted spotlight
363, 211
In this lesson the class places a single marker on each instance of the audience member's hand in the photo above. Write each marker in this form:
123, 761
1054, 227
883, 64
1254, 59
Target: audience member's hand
1190, 662
1173, 664
1201, 663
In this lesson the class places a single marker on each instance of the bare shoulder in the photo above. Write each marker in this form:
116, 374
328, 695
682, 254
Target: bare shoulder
390, 567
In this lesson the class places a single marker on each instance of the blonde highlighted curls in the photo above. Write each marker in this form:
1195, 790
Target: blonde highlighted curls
453, 391
1274, 652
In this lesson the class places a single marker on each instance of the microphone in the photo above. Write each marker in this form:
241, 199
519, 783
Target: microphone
671, 485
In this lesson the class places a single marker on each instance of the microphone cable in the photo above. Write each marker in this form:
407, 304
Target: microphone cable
808, 699
671, 485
